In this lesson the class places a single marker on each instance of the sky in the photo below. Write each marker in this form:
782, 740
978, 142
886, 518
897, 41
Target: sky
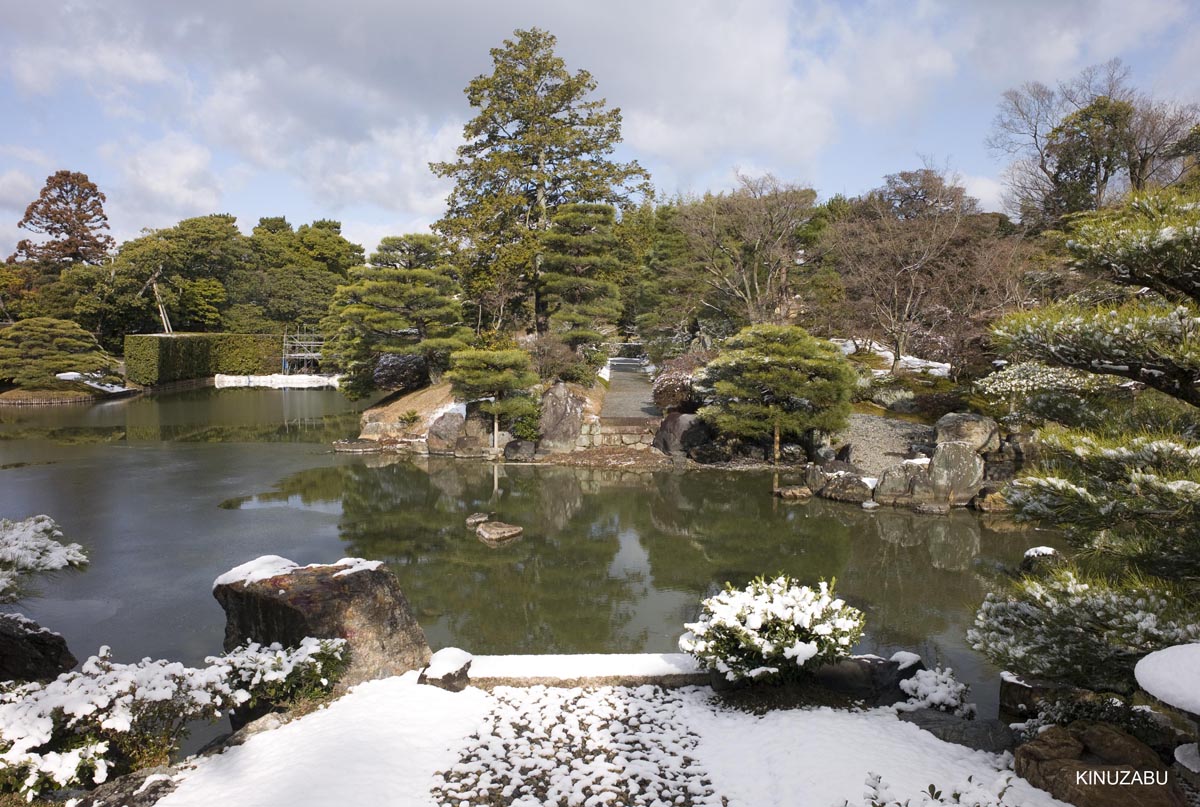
315, 110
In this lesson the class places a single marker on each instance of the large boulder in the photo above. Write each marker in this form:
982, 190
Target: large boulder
1096, 765
562, 419
980, 432
497, 533
896, 483
983, 735
520, 451
444, 433
678, 434
846, 487
142, 788
29, 652
403, 372
271, 599
871, 679
955, 475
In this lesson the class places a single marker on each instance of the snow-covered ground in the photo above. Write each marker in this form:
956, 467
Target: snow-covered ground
276, 381
910, 363
394, 742
93, 380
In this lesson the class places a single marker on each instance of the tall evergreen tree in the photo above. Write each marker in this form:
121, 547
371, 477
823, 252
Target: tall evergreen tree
582, 301
777, 381
404, 301
538, 140
70, 213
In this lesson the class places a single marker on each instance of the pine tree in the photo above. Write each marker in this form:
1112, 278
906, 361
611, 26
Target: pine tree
582, 301
539, 140
1127, 495
403, 302
33, 351
777, 381
500, 375
70, 213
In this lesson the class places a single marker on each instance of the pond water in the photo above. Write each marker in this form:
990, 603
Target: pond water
168, 492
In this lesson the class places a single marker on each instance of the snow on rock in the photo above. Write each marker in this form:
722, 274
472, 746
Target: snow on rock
277, 381
584, 665
268, 566
456, 407
1189, 756
1173, 676
905, 659
1040, 552
447, 661
93, 380
380, 745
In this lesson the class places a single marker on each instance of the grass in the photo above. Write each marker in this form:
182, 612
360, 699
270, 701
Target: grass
872, 408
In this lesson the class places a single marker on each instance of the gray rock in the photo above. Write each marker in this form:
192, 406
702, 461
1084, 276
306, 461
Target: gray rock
455, 680
983, 735
980, 432
1039, 563
131, 789
889, 397
562, 419
444, 433
711, 453
678, 434
29, 652
871, 679
844, 454
792, 454
497, 533
520, 451
815, 478
475, 519
954, 477
366, 608
846, 487
896, 484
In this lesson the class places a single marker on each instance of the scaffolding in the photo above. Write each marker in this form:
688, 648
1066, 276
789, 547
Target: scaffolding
302, 351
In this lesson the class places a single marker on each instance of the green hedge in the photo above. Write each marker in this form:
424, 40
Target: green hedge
158, 359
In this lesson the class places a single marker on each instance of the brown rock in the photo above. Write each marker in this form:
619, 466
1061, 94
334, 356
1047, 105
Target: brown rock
444, 433
793, 493
980, 432
497, 533
846, 487
365, 607
475, 519
1114, 746
561, 421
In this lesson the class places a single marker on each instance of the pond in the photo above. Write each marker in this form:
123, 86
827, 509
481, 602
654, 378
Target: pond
167, 492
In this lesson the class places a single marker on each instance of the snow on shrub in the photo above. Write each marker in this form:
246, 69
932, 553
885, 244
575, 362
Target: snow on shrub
772, 629
111, 718
972, 794
32, 545
936, 689
1089, 633
1035, 392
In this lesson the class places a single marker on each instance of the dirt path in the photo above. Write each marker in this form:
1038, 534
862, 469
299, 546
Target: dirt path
629, 392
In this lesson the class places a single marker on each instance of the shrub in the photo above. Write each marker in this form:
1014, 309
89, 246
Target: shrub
555, 360
936, 689
33, 351
673, 390
1030, 392
158, 359
1089, 633
1138, 721
772, 629
111, 718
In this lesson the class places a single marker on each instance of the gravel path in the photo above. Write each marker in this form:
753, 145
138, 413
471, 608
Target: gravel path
629, 392
881, 442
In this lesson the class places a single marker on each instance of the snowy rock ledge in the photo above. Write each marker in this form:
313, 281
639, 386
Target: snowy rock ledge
271, 599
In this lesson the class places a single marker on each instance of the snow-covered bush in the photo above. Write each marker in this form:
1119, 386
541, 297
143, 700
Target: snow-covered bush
1145, 725
110, 718
673, 388
936, 689
32, 545
972, 794
772, 629
1088, 632
1031, 392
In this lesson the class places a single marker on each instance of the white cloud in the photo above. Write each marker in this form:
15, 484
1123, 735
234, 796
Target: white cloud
102, 65
988, 190
162, 181
17, 190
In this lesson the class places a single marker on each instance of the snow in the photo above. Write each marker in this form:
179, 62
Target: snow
935, 689
33, 545
870, 481
1188, 756
934, 368
605, 372
447, 661
1173, 676
267, 566
93, 381
277, 381
905, 659
1040, 552
392, 742
458, 407
870, 505
584, 665
917, 461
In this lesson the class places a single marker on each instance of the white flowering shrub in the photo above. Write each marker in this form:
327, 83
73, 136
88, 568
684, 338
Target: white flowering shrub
971, 794
1089, 633
936, 689
111, 718
772, 629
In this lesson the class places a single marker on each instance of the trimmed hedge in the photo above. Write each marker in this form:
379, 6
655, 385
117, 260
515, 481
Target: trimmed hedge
161, 358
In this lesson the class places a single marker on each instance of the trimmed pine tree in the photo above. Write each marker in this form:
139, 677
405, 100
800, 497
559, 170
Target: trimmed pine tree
501, 376
578, 277
777, 381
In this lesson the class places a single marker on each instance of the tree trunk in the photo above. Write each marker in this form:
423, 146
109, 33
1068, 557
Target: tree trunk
776, 455
495, 429
540, 225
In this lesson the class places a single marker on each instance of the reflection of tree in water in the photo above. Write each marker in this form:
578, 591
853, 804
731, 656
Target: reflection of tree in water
560, 588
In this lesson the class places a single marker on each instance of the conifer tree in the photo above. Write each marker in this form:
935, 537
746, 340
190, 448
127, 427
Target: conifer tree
500, 375
403, 302
33, 351
539, 140
777, 381
581, 298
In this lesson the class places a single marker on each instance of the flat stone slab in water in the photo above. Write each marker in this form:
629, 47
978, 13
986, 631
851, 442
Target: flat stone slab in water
497, 533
